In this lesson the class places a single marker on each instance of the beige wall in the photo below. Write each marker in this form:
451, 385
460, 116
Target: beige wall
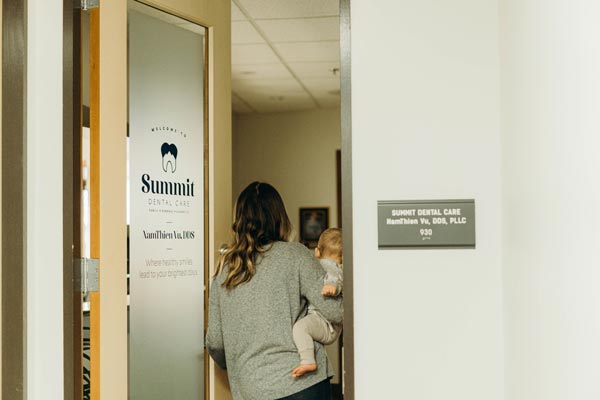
295, 152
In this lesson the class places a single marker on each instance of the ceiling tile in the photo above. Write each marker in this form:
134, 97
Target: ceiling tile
288, 103
329, 101
305, 33
274, 95
301, 30
322, 84
239, 106
242, 32
259, 71
309, 52
271, 99
236, 14
268, 87
252, 54
240, 110
300, 105
315, 69
264, 9
325, 90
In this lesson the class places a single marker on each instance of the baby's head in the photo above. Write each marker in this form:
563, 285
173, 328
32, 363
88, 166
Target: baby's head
330, 245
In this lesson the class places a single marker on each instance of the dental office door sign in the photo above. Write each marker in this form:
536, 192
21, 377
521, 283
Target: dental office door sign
166, 270
426, 224
167, 202
166, 210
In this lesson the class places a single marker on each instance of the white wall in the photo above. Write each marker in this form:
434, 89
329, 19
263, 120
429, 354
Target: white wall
293, 151
44, 201
425, 116
551, 98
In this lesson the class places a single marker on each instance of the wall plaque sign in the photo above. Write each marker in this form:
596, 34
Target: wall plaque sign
426, 223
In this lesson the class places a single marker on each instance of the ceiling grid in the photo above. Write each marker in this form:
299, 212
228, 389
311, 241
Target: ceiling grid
285, 55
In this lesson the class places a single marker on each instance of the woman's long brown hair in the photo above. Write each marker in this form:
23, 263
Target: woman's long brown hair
260, 220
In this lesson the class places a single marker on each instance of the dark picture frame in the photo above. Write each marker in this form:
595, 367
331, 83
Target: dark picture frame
313, 221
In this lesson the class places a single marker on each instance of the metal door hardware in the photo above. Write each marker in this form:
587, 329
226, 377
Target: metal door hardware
86, 273
89, 4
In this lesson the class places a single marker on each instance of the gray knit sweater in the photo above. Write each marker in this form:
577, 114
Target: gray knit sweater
250, 326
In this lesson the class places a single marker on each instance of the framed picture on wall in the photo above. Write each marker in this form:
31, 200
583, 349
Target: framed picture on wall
313, 221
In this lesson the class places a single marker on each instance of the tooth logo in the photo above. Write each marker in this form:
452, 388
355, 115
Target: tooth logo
169, 157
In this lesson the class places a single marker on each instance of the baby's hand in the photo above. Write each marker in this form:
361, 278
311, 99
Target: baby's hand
328, 290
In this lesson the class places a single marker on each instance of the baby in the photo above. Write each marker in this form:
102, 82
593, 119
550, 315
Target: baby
314, 326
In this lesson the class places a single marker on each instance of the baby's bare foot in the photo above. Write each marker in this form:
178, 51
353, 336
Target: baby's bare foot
304, 368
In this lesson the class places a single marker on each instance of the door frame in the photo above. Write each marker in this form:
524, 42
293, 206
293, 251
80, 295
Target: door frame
346, 128
13, 198
72, 122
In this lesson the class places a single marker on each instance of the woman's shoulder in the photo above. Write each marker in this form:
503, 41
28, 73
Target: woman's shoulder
292, 248
291, 253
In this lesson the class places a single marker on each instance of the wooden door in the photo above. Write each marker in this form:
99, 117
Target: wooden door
107, 178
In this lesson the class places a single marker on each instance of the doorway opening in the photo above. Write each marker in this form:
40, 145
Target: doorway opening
287, 124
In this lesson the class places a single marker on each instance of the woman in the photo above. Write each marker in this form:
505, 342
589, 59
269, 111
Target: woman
261, 289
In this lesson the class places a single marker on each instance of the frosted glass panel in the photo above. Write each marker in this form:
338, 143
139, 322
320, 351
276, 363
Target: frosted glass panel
166, 192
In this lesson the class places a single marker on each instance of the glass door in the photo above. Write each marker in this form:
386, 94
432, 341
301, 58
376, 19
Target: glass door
166, 204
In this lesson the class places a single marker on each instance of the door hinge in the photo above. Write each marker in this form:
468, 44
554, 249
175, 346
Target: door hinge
89, 4
86, 273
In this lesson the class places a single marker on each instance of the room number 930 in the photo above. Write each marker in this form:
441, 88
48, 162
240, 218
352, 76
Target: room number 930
426, 232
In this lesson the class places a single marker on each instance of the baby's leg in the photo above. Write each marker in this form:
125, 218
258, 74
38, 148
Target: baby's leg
312, 327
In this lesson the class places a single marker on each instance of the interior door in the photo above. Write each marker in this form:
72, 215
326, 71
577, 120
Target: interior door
101, 185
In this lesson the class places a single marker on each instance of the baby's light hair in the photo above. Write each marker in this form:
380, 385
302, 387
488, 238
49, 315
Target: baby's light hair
330, 243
